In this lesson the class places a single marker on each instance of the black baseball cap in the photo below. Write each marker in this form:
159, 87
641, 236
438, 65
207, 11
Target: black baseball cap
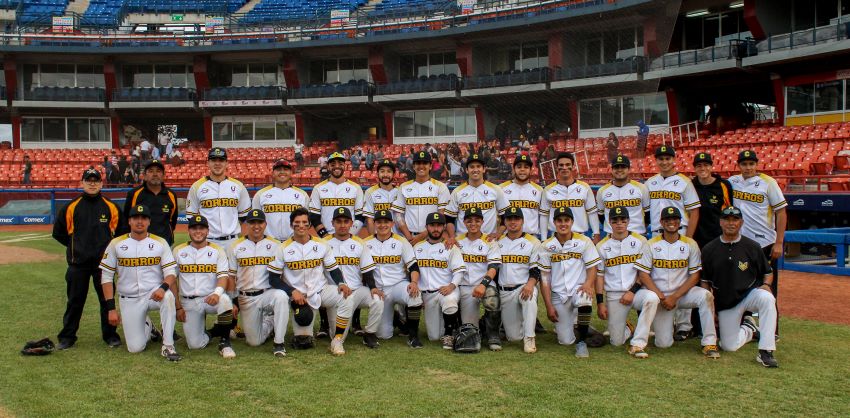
282, 162
618, 212
336, 156
671, 212
747, 155
473, 211
342, 213
422, 157
703, 157
302, 314
196, 220
523, 158
383, 214
621, 160
385, 163
563, 211
436, 218
255, 215
217, 153
475, 158
731, 211
152, 163
665, 150
140, 210
513, 212
91, 172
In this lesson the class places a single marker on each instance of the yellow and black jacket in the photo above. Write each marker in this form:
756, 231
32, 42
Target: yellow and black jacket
85, 226
163, 208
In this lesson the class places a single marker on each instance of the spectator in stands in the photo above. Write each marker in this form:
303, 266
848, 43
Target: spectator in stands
155, 155
145, 147
549, 154
176, 157
408, 165
299, 153
545, 131
492, 166
137, 152
27, 170
164, 139
355, 159
107, 167
135, 163
642, 137
169, 151
524, 146
541, 144
123, 164
530, 131
505, 169
370, 159
455, 167
431, 150
379, 155
502, 133
129, 176
613, 146
113, 158
323, 161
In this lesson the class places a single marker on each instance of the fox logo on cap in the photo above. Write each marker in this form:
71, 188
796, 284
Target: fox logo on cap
701, 155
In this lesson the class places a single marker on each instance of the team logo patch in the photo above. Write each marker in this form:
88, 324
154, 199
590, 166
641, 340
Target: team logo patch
675, 182
743, 265
392, 245
633, 244
150, 247
268, 246
123, 247
209, 253
291, 252
682, 249
205, 190
183, 255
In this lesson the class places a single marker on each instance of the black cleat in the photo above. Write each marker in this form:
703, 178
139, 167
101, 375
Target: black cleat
370, 340
766, 359
156, 336
413, 342
322, 333
112, 342
681, 335
279, 350
65, 344
538, 328
170, 353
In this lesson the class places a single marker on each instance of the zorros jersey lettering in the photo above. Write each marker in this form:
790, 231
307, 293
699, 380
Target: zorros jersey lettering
139, 261
222, 202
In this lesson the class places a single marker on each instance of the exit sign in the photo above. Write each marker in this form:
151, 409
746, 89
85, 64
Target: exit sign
176, 18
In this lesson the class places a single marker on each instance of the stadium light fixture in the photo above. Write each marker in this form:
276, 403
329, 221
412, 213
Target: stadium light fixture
736, 4
697, 13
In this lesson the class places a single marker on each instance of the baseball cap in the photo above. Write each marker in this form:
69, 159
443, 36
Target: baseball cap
473, 211
383, 214
282, 162
513, 212
702, 157
436, 218
91, 172
140, 210
422, 157
618, 212
563, 211
217, 153
671, 212
665, 150
621, 160
342, 213
747, 155
475, 158
196, 220
302, 314
731, 211
152, 163
336, 156
523, 158
385, 163
255, 215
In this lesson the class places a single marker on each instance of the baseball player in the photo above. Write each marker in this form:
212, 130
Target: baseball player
154, 194
622, 191
478, 287
618, 278
568, 264
264, 309
478, 193
397, 275
380, 196
568, 192
146, 272
525, 194
518, 279
738, 271
357, 266
203, 274
418, 198
441, 270
298, 267
279, 199
669, 266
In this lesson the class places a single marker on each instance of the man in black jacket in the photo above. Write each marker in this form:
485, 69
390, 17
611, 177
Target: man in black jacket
85, 226
160, 199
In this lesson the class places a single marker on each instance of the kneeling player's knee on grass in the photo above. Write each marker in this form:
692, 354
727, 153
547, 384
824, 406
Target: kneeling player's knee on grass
491, 300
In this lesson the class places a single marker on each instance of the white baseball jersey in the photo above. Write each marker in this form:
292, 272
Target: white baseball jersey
758, 197
277, 204
200, 268
618, 261
438, 266
518, 257
488, 197
669, 264
568, 263
327, 196
353, 258
578, 197
140, 264
677, 191
477, 254
633, 195
393, 257
527, 197
418, 200
249, 262
378, 199
221, 203
303, 266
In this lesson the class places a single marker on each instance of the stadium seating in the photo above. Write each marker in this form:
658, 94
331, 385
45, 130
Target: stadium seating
508, 78
40, 11
442, 82
245, 93
351, 88
110, 12
269, 11
9, 4
391, 8
154, 94
66, 94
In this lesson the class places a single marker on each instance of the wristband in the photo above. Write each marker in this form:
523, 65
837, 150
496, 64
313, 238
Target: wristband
235, 301
635, 287
486, 281
322, 232
164, 286
219, 291
110, 304
599, 298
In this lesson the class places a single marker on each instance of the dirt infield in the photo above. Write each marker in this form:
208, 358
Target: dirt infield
12, 255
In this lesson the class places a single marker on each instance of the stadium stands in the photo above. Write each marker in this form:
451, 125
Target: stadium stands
41, 11
66, 94
508, 78
245, 93
270, 11
154, 94
442, 82
110, 12
394, 8
351, 88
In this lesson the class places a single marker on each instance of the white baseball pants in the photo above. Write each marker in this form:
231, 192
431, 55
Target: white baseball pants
263, 313
435, 306
567, 315
134, 312
518, 316
395, 295
337, 306
696, 297
196, 318
733, 335
470, 311
362, 298
646, 302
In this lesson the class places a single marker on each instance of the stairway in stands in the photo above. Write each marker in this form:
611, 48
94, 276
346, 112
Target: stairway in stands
77, 6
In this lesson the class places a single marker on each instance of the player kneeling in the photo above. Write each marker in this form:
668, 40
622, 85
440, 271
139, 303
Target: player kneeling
478, 288
202, 269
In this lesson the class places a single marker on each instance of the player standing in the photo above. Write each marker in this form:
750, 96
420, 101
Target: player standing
203, 274
624, 192
476, 193
671, 188
568, 192
146, 272
279, 199
160, 199
380, 196
525, 194
478, 287
418, 198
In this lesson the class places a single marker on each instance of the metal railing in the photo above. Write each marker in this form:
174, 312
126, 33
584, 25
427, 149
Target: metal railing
684, 132
635, 65
332, 90
512, 78
806, 37
243, 93
450, 83
733, 49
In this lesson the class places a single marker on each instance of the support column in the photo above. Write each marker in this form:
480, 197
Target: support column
479, 122
463, 57
115, 130
110, 81
376, 65
572, 107
16, 132
388, 126
556, 51
651, 48
779, 96
752, 20
208, 131
290, 72
10, 72
672, 107
202, 79
299, 128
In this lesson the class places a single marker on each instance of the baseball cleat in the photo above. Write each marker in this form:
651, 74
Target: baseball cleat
529, 345
711, 351
279, 350
112, 342
750, 323
66, 344
170, 353
370, 340
495, 346
236, 332
336, 346
766, 359
637, 352
226, 350
538, 328
448, 342
681, 335
581, 350
413, 342
156, 336
322, 333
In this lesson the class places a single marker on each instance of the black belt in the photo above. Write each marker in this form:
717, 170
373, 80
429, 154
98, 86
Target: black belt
128, 297
192, 297
252, 293
429, 291
510, 288
224, 238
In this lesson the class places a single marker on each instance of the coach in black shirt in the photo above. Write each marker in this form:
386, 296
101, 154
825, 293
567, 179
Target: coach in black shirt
735, 267
160, 199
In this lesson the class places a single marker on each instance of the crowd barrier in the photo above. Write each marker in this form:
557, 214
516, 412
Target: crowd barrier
837, 237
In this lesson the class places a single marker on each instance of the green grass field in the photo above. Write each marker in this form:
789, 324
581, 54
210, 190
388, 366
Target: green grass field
91, 379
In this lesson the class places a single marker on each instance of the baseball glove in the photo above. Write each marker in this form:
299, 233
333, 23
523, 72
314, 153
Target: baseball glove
41, 347
595, 338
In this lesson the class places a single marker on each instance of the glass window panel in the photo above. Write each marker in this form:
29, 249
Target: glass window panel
420, 62
514, 58
656, 109
78, 130
436, 64
611, 114
264, 130
632, 110
162, 76
346, 70
331, 71
361, 63
424, 122
48, 75
444, 123
529, 57
269, 75
285, 130
85, 76
31, 130
801, 99
471, 123
626, 39
609, 43
255, 75
405, 68
240, 76
450, 63
178, 76
65, 75
500, 60
99, 130
30, 76
829, 96
403, 124
54, 129
243, 131
589, 114
190, 77
143, 76
317, 75
222, 131
361, 74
